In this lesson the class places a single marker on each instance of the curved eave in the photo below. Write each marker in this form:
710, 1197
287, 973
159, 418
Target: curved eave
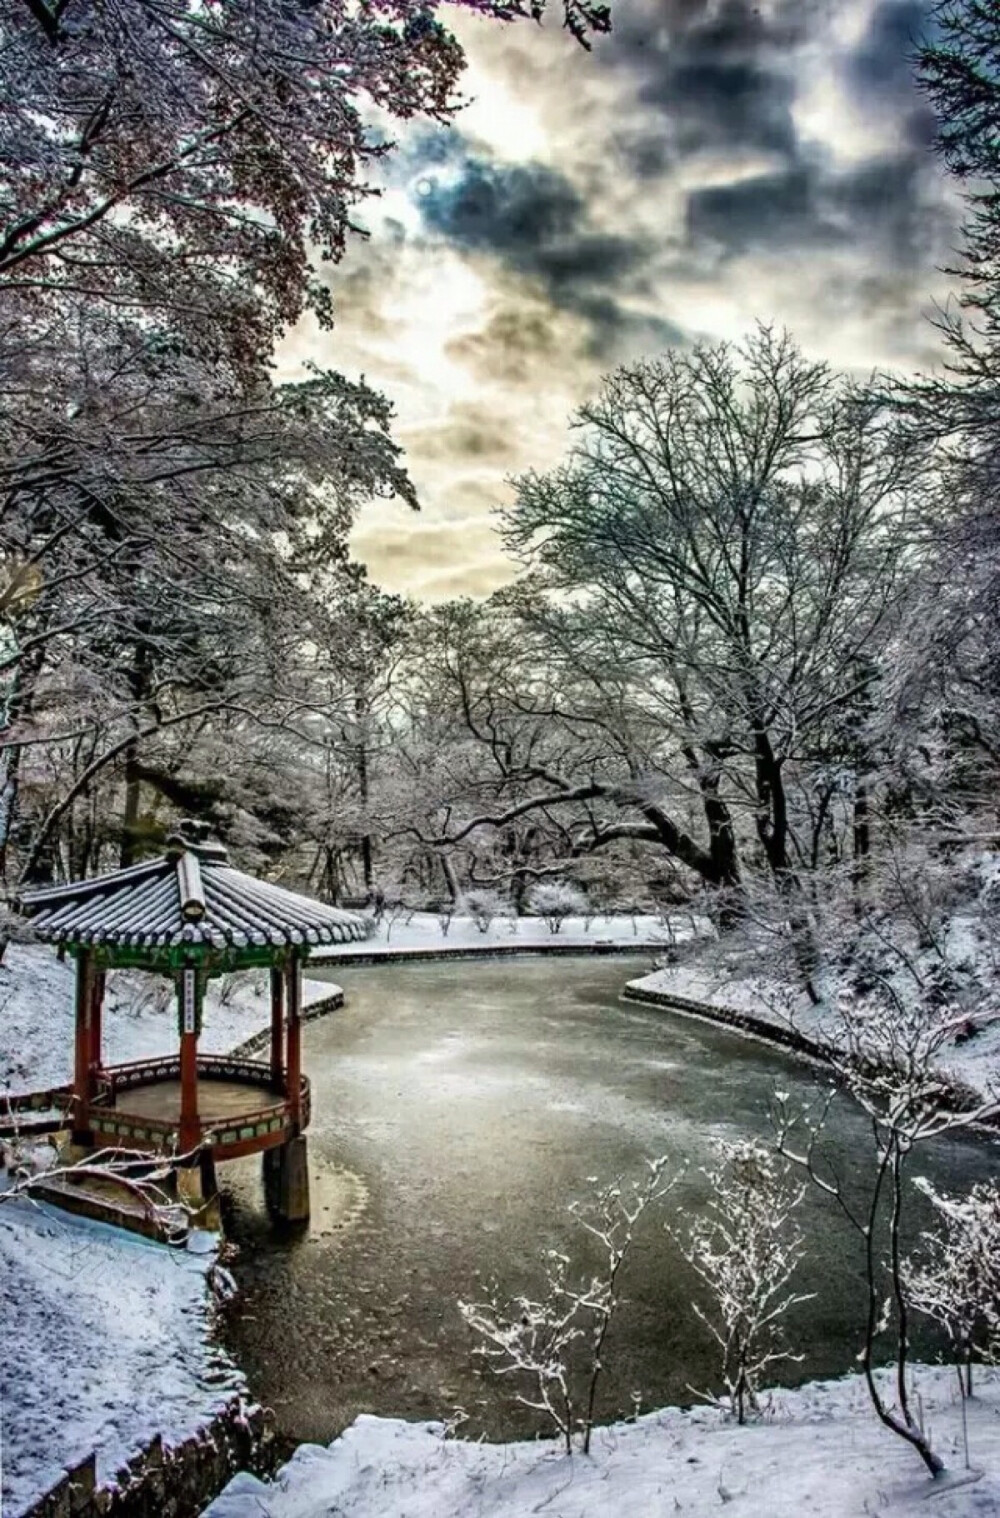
143, 909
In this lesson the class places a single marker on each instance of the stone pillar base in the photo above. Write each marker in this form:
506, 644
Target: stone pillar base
197, 1189
286, 1181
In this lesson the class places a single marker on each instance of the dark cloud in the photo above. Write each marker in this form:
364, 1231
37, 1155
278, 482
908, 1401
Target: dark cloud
530, 216
717, 76
646, 152
768, 210
884, 57
520, 210
878, 205
536, 223
884, 204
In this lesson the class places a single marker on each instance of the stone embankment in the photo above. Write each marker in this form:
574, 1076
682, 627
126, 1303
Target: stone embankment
260, 1042
961, 1097
744, 1022
171, 1482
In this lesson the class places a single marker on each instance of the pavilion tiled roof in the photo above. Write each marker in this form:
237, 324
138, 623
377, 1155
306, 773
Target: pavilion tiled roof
190, 895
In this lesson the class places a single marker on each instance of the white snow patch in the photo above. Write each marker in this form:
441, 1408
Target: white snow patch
105, 1344
421, 932
819, 1452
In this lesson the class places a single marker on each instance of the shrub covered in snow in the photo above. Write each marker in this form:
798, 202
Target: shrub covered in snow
553, 1347
956, 1280
484, 905
746, 1247
555, 900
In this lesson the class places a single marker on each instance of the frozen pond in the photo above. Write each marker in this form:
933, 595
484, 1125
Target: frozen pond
456, 1110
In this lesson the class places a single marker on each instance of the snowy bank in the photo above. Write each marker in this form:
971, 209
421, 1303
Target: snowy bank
37, 1015
974, 1064
106, 1343
422, 933
820, 1451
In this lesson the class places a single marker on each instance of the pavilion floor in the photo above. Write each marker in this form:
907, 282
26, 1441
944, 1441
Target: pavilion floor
217, 1100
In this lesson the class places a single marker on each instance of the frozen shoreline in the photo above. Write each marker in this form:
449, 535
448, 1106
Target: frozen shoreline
419, 934
974, 1065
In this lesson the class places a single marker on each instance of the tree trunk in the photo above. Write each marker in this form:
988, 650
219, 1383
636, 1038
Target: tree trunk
361, 714
130, 817
722, 867
18, 705
862, 843
10, 766
450, 878
139, 683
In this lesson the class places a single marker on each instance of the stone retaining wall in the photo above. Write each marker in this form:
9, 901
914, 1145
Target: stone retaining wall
744, 1022
171, 1482
961, 1098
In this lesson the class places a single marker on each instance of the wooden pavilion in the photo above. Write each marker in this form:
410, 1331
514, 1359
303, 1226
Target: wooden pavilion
190, 916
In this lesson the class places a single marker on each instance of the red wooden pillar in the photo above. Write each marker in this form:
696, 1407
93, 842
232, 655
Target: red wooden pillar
277, 1030
190, 991
81, 1064
293, 1075
96, 1008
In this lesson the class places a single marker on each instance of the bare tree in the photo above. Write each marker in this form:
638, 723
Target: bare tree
684, 665
746, 1248
555, 1344
886, 1052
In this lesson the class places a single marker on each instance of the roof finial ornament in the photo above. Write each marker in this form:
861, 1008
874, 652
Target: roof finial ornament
192, 833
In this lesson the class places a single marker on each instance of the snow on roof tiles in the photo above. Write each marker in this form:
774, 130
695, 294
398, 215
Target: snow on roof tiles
191, 895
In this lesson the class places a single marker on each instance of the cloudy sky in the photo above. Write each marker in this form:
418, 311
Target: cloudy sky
711, 163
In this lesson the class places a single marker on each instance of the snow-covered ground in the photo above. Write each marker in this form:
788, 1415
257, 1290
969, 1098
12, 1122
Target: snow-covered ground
37, 1015
737, 987
422, 932
819, 1452
941, 950
105, 1343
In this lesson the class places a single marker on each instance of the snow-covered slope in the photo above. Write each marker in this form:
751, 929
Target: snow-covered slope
105, 1343
105, 1337
819, 1454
